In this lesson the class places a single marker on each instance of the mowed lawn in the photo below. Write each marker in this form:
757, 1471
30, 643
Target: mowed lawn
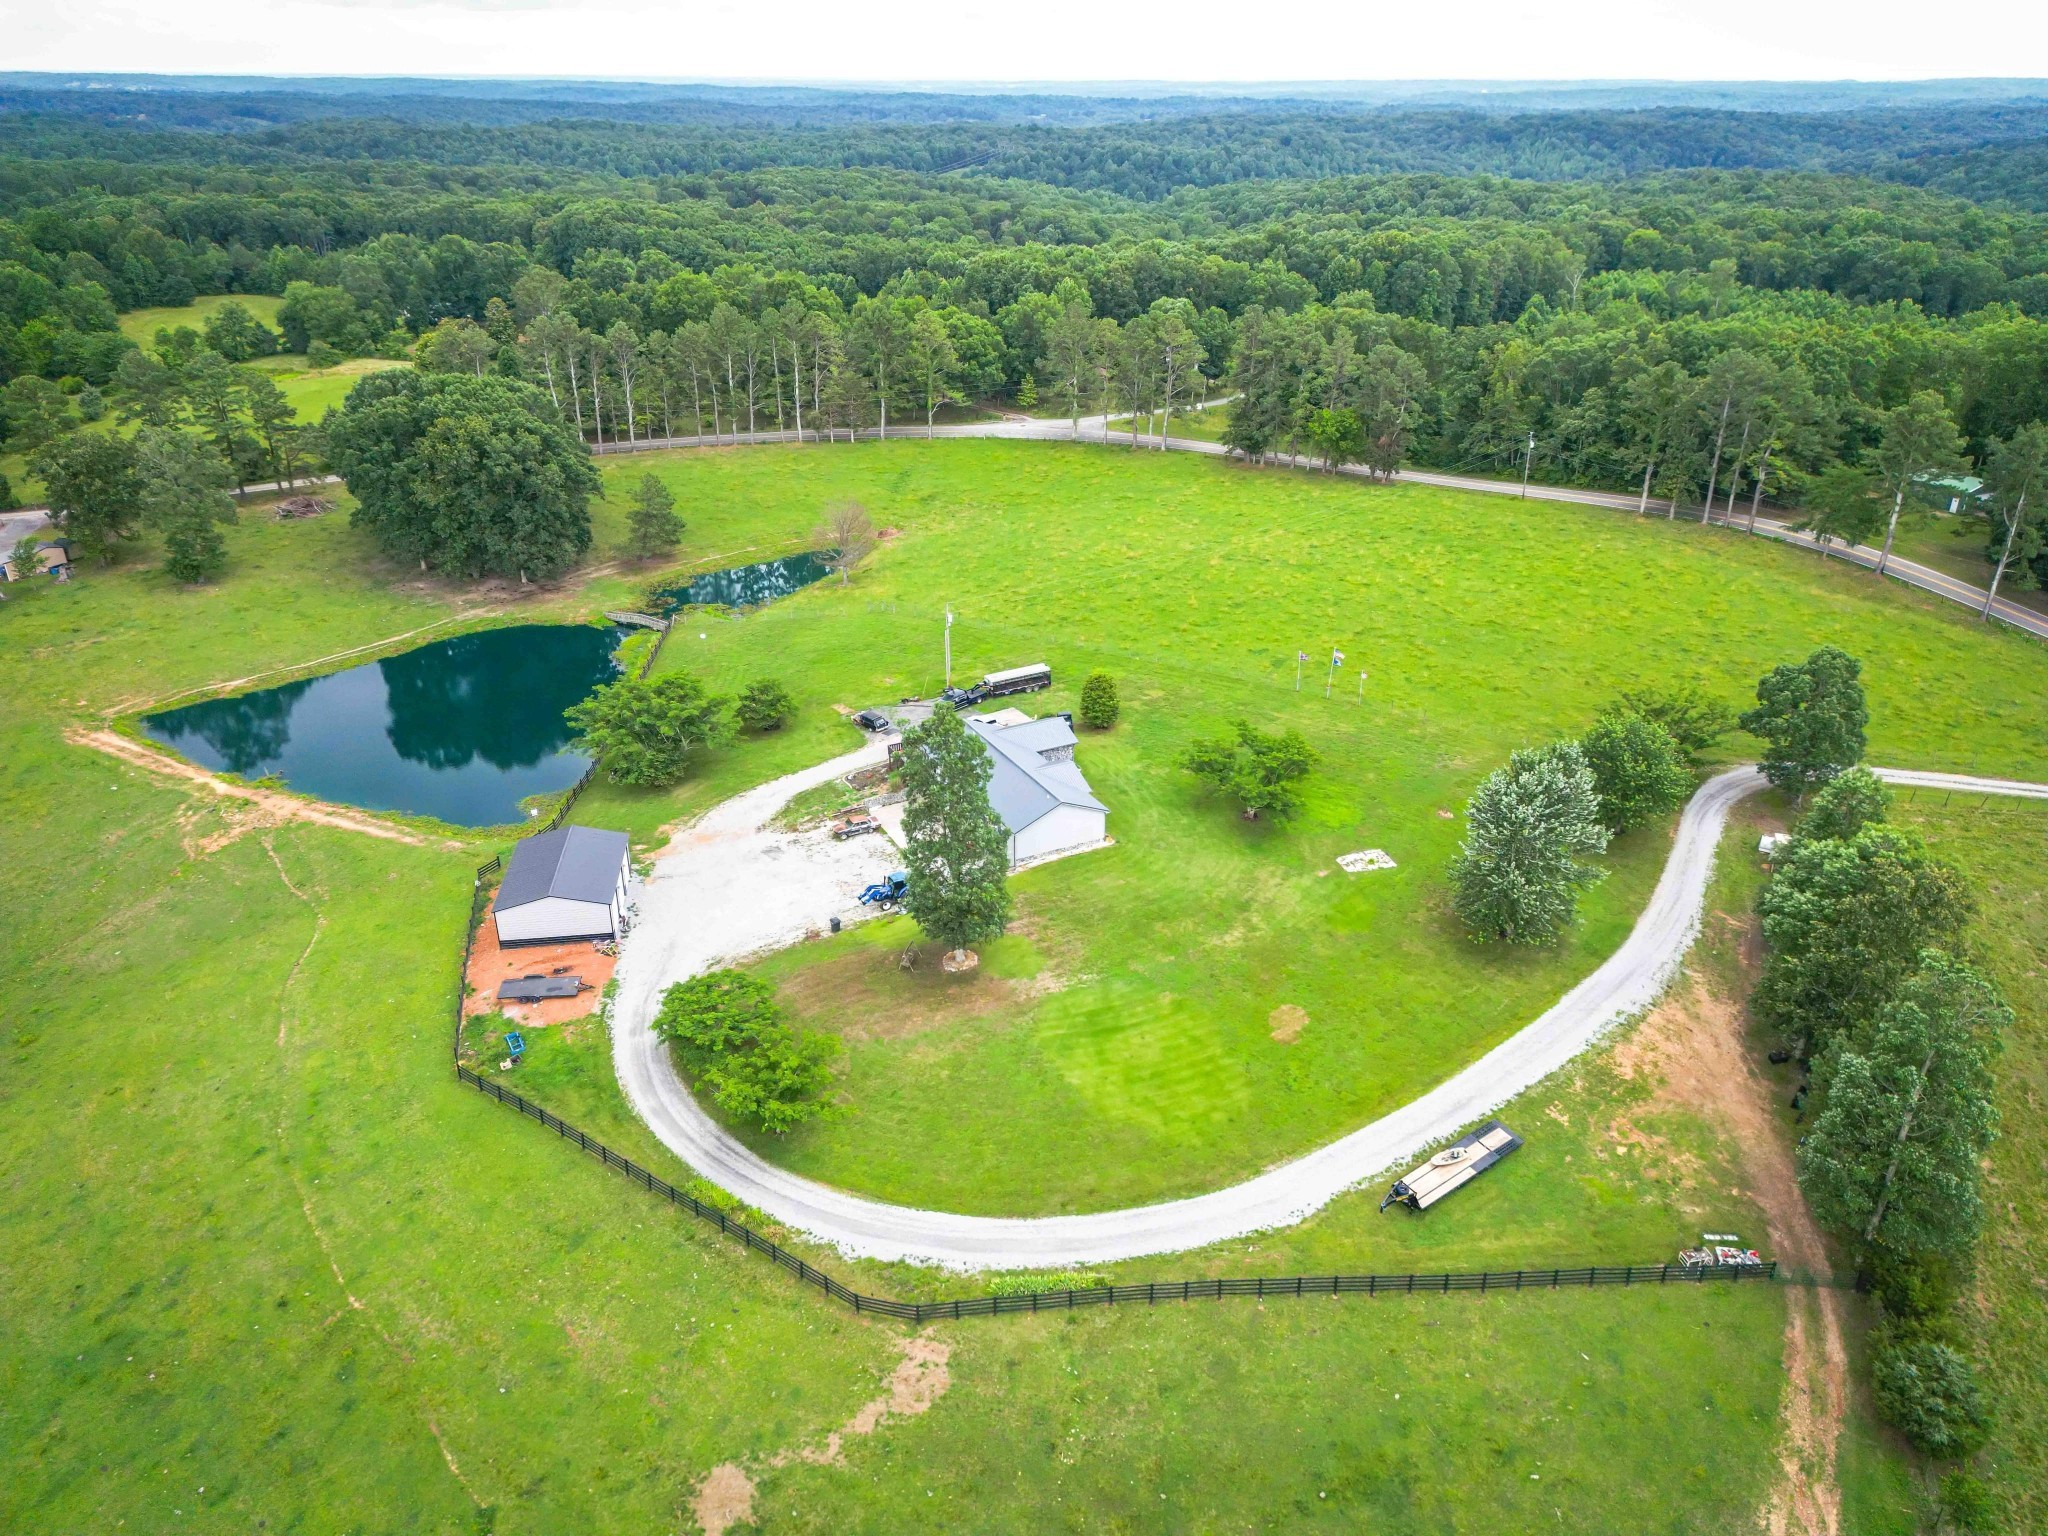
255, 1241
1119, 1047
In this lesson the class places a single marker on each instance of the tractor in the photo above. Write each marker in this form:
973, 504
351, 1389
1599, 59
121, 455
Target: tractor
887, 893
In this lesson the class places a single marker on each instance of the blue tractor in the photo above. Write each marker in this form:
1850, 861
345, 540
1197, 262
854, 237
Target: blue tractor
887, 893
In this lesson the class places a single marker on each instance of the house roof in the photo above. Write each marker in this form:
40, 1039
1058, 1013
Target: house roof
573, 863
1024, 786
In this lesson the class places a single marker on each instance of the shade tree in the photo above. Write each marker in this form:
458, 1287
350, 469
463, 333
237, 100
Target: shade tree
1518, 873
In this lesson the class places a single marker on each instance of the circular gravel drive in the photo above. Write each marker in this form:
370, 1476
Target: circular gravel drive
728, 888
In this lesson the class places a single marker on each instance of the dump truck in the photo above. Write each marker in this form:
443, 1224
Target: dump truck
1453, 1168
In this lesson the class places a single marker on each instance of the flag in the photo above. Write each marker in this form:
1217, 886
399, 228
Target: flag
1336, 658
1301, 655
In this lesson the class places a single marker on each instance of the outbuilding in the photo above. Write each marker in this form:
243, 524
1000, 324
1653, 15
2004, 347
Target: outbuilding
1035, 786
564, 885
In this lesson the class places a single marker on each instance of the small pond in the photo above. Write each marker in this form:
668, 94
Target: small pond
460, 729
748, 586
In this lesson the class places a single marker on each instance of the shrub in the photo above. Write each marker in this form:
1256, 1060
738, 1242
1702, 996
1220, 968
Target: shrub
1917, 1286
764, 704
1811, 718
1637, 769
1928, 1390
1031, 1281
322, 354
729, 1035
1844, 806
90, 404
1100, 706
1966, 1504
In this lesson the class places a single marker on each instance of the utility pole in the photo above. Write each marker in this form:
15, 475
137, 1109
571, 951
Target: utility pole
1528, 464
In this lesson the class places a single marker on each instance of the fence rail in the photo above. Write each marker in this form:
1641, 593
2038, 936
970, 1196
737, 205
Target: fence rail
1150, 1292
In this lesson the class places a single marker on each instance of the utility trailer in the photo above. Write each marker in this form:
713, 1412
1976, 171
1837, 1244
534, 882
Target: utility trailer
1032, 679
1453, 1168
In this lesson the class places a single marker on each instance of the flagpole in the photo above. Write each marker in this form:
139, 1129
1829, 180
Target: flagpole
1361, 687
1330, 681
1298, 658
949, 645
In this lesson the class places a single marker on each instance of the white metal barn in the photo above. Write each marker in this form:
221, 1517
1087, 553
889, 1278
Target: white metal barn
1035, 787
562, 885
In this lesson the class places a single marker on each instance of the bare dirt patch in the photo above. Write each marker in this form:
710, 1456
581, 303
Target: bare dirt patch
489, 965
1693, 1048
270, 808
1287, 1022
725, 1498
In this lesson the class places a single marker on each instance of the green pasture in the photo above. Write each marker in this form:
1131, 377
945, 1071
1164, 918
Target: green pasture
257, 1242
141, 325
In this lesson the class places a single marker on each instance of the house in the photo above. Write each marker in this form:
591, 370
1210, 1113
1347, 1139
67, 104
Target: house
53, 558
1035, 786
562, 885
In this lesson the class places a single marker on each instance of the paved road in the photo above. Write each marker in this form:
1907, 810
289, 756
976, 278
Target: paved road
1091, 429
681, 932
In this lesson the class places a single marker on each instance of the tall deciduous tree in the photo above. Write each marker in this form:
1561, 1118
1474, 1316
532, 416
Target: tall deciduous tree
1811, 716
1658, 404
879, 339
471, 476
848, 536
1919, 438
2016, 471
930, 357
1638, 770
645, 729
956, 848
1845, 805
1518, 874
93, 483
1843, 923
1260, 770
1907, 1115
184, 497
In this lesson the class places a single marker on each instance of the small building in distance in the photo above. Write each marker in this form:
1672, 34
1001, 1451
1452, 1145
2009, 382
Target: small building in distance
53, 558
563, 885
1035, 786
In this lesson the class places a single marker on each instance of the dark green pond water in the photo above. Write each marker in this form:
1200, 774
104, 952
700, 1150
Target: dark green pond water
461, 729
748, 586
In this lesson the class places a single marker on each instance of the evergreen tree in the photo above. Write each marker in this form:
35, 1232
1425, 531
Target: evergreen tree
184, 496
652, 527
1894, 1155
1518, 875
956, 846
1811, 716
1100, 706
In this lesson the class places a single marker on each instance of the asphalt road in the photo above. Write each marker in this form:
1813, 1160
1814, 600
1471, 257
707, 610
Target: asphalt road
681, 932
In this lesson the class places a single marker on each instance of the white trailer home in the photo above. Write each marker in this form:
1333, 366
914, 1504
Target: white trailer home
564, 885
1035, 787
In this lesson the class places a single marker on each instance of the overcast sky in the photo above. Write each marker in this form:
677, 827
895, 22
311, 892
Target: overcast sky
1042, 40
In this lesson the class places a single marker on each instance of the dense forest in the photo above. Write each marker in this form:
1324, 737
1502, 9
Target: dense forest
1672, 298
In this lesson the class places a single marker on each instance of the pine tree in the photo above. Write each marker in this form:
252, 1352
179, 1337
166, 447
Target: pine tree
957, 848
652, 527
1100, 706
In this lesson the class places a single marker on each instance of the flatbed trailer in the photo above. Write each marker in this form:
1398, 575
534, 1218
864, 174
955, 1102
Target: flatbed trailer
1453, 1168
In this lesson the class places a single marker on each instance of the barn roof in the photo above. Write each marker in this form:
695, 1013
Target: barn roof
573, 863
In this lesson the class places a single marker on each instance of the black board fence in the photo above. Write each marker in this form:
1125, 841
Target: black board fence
1150, 1292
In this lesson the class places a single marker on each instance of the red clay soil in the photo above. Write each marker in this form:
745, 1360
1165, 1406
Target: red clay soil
489, 965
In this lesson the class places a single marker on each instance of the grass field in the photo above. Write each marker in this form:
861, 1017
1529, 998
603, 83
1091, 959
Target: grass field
141, 325
256, 1241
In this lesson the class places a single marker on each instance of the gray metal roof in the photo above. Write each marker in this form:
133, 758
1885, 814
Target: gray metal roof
574, 863
1024, 786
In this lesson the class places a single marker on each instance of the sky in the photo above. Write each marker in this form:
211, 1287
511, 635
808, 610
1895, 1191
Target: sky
1044, 40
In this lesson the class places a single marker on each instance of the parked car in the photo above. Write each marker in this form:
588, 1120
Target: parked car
873, 720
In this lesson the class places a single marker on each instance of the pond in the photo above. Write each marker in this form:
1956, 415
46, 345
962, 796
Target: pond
748, 586
461, 729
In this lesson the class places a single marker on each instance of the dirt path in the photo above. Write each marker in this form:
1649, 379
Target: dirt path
1693, 1044
272, 807
725, 1498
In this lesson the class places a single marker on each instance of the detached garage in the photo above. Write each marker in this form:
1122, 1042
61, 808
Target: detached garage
566, 884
